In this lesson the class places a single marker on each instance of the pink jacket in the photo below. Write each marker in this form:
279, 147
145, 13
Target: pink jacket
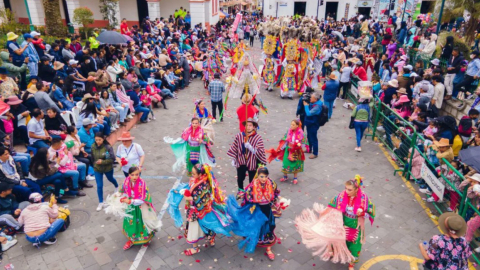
66, 159
37, 216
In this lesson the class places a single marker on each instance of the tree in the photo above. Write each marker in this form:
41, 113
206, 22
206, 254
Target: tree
108, 8
84, 17
53, 18
458, 9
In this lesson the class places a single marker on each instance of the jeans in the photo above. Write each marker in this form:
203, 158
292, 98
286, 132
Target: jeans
144, 111
24, 160
449, 83
467, 83
343, 85
329, 105
99, 180
22, 133
359, 130
167, 92
57, 179
48, 234
78, 175
262, 39
241, 171
122, 111
40, 144
215, 105
143, 84
312, 131
85, 160
22, 193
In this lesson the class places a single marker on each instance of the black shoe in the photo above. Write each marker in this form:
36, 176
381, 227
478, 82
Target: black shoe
51, 241
291, 98
85, 184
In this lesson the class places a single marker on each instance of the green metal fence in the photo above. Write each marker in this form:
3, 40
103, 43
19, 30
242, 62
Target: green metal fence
409, 149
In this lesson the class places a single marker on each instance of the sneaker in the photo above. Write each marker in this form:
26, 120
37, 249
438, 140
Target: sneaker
431, 199
425, 191
359, 149
90, 178
100, 207
115, 190
9, 244
51, 241
117, 126
112, 128
356, 149
130, 116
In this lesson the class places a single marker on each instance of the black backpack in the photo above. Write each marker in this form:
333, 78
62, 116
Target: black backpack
323, 116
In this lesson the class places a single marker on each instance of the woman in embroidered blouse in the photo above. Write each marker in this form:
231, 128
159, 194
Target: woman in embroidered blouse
141, 226
290, 151
206, 209
206, 120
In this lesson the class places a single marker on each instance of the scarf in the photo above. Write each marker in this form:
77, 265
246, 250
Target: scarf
199, 113
359, 202
188, 132
260, 193
138, 191
298, 133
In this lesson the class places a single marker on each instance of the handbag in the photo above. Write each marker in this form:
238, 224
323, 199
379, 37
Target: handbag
64, 214
8, 125
352, 123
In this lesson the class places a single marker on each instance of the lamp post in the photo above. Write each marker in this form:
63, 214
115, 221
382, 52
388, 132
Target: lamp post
29, 17
440, 17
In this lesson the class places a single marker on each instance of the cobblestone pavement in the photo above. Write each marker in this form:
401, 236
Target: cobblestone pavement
97, 244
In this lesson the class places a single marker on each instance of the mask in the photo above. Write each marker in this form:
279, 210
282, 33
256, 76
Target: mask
472, 56
463, 69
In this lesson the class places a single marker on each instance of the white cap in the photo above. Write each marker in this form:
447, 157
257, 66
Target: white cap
409, 67
72, 62
35, 33
475, 177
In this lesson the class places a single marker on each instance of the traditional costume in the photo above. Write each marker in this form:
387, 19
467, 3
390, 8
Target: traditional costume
245, 111
337, 233
269, 62
247, 152
142, 221
191, 148
206, 121
290, 151
245, 75
290, 75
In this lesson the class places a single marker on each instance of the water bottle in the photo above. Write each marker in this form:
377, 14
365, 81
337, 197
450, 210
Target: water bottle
425, 245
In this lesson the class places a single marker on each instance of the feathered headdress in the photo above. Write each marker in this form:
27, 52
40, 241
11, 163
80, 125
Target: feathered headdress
358, 181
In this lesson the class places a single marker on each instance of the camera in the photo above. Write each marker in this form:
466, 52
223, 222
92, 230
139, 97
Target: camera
307, 95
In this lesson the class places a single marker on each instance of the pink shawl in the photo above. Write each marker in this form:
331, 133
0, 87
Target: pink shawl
138, 191
189, 132
298, 135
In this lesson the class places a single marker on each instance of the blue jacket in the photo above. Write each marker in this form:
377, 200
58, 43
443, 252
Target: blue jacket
87, 138
134, 97
312, 112
331, 90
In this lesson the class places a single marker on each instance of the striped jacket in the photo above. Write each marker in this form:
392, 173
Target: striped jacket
243, 156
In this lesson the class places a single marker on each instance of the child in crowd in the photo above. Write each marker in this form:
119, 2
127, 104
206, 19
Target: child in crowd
454, 179
147, 102
431, 129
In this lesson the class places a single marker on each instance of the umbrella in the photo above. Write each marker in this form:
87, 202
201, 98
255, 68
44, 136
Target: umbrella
111, 37
471, 157
338, 34
128, 38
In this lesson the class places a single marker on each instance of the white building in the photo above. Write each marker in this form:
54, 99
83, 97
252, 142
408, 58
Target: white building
202, 11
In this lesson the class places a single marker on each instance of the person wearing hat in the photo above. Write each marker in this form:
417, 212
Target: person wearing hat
247, 152
86, 134
8, 87
449, 250
246, 110
18, 58
38, 43
405, 109
31, 53
406, 81
391, 91
216, 88
472, 74
129, 154
444, 151
13, 71
331, 88
360, 72
36, 218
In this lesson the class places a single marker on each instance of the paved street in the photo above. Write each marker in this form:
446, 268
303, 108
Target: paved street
95, 240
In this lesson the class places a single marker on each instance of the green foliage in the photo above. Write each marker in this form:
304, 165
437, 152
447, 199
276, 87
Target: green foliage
457, 42
108, 9
83, 16
9, 24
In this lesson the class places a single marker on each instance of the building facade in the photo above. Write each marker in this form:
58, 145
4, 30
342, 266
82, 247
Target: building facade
202, 11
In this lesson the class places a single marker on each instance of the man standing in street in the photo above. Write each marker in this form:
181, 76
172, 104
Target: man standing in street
216, 89
312, 112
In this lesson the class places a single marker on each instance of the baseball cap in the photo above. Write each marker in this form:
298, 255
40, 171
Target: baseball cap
72, 62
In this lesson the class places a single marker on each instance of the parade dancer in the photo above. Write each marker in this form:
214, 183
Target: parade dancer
142, 221
290, 151
269, 62
191, 148
247, 152
206, 120
255, 218
337, 232
290, 76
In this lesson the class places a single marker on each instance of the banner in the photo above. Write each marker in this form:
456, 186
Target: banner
433, 182
238, 19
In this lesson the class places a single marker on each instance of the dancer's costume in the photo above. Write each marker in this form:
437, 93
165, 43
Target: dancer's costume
191, 148
246, 74
206, 122
337, 233
141, 221
290, 151
291, 70
369, 65
269, 62
255, 218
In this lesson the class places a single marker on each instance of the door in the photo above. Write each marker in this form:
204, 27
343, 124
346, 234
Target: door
299, 8
142, 8
331, 10
7, 4
365, 11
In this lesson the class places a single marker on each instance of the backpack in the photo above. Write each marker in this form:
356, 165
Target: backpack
465, 126
323, 116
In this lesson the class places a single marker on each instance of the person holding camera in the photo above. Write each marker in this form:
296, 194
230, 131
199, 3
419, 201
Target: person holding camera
312, 115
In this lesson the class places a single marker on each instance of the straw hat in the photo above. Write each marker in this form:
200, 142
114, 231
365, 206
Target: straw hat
126, 136
86, 96
246, 98
393, 83
402, 91
251, 120
442, 143
58, 65
32, 89
453, 224
11, 36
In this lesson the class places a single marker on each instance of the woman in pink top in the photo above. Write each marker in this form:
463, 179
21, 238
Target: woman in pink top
40, 220
405, 110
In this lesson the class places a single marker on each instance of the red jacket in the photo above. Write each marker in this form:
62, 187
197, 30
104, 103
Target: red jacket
361, 73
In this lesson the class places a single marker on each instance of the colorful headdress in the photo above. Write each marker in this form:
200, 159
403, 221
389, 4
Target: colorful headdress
358, 181
291, 50
269, 44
